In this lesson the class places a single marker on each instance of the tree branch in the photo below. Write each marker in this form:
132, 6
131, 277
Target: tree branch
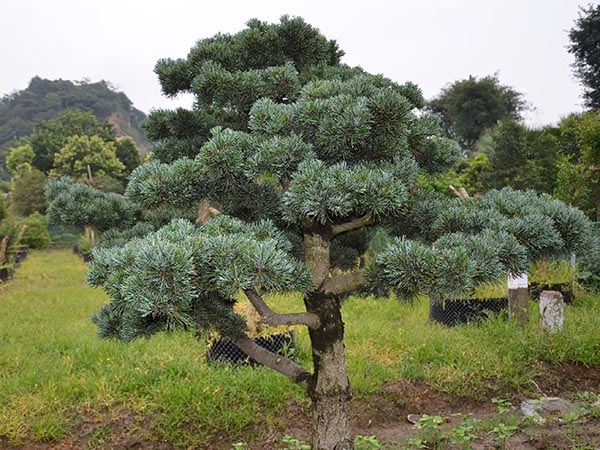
352, 225
268, 317
274, 361
460, 192
343, 284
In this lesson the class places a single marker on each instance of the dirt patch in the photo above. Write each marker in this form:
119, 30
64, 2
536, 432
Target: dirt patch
384, 415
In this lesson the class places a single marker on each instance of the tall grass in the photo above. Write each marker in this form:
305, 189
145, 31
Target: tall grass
54, 371
53, 367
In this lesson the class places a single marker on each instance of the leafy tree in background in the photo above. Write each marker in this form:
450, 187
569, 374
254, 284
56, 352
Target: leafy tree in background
27, 193
469, 107
585, 47
83, 153
3, 209
313, 150
128, 153
578, 177
508, 156
75, 139
44, 100
36, 235
543, 152
19, 158
468, 173
49, 137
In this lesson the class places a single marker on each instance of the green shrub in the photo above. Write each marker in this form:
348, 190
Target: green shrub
36, 236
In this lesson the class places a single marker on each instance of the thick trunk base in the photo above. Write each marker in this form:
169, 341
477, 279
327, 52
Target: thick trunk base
330, 421
330, 388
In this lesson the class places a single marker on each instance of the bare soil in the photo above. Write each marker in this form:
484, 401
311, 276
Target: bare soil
383, 415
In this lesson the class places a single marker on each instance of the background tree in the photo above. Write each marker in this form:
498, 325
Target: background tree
315, 150
508, 156
36, 235
75, 139
585, 47
128, 153
49, 137
45, 100
578, 175
27, 193
469, 107
19, 158
83, 153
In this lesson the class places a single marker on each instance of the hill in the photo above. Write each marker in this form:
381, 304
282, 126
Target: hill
45, 99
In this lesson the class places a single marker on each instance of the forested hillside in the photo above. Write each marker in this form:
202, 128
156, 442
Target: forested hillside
45, 99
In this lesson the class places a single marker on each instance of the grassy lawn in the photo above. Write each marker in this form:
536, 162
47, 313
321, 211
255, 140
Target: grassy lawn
54, 371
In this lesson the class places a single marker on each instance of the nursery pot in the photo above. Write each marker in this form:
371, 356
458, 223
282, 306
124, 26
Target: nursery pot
223, 350
459, 311
566, 289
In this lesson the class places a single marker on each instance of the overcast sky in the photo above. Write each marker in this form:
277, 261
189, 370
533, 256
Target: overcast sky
429, 42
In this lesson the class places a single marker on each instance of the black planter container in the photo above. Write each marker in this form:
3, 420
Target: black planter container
566, 289
460, 311
23, 251
6, 274
87, 257
223, 350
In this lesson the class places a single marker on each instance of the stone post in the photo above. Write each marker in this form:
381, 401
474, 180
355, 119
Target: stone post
552, 310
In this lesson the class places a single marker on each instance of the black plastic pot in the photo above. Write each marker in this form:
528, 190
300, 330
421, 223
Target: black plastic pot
7, 273
223, 350
463, 310
23, 251
566, 289
87, 257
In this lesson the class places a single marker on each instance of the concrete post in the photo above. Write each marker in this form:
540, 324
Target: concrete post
518, 298
552, 310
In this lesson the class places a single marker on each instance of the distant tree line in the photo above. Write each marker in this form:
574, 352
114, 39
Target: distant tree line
485, 117
74, 144
43, 100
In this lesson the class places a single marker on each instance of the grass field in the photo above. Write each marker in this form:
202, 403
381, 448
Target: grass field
54, 370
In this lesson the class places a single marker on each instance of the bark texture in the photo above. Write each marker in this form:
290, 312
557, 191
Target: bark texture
329, 387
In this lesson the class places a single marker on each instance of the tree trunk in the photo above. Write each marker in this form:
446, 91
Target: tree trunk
329, 388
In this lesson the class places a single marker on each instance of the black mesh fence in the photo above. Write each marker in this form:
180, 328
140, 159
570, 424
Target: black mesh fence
459, 311
223, 350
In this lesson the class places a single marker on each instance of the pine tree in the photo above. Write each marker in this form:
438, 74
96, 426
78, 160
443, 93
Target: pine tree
294, 150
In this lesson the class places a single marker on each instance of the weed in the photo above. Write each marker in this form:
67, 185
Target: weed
292, 443
416, 443
574, 417
503, 405
366, 443
430, 429
463, 434
503, 432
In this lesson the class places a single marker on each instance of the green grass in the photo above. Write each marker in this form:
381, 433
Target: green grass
53, 367
54, 370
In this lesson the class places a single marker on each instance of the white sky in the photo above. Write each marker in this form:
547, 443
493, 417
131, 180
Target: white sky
429, 42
